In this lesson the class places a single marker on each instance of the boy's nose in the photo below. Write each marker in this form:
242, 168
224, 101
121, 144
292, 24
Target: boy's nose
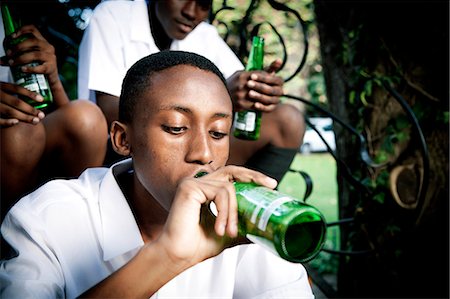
200, 150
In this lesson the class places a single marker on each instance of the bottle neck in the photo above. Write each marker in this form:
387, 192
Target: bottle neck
8, 21
256, 56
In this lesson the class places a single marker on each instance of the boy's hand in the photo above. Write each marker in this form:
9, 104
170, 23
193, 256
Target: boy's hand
192, 234
13, 110
34, 48
259, 90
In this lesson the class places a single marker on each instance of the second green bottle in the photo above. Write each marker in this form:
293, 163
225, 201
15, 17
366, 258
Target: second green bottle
247, 123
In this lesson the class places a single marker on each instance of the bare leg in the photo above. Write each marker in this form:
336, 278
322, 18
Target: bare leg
80, 141
22, 147
284, 127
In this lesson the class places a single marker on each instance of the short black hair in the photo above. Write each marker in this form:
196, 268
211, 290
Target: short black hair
137, 80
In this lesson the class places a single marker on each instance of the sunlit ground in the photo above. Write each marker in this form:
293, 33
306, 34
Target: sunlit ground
321, 167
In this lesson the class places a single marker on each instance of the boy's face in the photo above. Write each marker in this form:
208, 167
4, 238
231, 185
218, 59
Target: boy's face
180, 17
181, 127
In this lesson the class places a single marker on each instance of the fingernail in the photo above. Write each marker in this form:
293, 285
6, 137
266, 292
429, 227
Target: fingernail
41, 115
14, 122
10, 61
251, 84
254, 76
35, 120
39, 98
271, 181
233, 229
252, 93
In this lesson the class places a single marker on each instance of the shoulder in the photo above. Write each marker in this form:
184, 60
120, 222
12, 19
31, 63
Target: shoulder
61, 195
205, 31
117, 9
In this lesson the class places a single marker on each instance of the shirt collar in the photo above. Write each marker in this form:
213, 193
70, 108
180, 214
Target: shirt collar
120, 230
140, 23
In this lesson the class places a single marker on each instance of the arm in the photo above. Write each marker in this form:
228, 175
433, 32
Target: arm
190, 235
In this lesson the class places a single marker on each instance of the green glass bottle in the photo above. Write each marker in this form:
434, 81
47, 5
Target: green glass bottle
34, 82
247, 123
292, 229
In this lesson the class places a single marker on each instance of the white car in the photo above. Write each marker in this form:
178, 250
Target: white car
311, 140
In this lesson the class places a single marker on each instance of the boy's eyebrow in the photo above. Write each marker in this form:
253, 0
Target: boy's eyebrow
187, 110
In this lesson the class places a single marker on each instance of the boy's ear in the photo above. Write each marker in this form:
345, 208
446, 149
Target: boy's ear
119, 138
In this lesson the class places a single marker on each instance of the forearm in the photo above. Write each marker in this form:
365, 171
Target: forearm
143, 276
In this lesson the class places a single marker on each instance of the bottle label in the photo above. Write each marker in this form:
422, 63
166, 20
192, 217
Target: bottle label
245, 121
33, 86
264, 219
42, 81
269, 208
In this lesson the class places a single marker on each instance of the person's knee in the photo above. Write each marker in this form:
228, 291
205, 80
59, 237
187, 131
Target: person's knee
85, 120
22, 145
290, 126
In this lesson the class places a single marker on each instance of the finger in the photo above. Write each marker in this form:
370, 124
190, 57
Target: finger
267, 78
221, 201
264, 108
29, 29
232, 221
8, 122
242, 174
8, 112
274, 66
264, 88
47, 65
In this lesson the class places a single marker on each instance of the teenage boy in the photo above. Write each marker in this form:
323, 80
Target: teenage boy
122, 32
141, 228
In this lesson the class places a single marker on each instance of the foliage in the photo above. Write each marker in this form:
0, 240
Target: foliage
308, 83
371, 56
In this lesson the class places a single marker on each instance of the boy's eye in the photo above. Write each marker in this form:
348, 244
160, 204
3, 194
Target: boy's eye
204, 4
173, 130
217, 135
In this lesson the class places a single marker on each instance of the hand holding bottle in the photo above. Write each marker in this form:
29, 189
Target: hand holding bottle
191, 234
13, 109
259, 90
34, 48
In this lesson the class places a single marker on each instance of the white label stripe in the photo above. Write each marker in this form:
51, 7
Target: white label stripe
262, 224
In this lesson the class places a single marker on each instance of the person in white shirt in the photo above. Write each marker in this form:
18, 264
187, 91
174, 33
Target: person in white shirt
121, 32
37, 144
141, 228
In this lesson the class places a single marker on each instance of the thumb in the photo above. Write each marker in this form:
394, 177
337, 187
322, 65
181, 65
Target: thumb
274, 66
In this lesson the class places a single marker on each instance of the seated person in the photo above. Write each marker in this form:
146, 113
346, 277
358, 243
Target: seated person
140, 228
38, 145
121, 32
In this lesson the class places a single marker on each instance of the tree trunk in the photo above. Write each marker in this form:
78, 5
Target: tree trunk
405, 44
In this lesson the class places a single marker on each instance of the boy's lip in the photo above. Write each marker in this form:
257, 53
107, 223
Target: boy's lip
185, 27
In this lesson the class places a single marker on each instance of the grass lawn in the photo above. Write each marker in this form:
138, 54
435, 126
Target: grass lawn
321, 167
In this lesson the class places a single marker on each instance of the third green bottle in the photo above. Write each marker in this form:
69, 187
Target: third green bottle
34, 82
247, 123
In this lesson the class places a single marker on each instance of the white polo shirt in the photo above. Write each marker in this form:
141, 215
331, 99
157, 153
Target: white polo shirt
119, 34
71, 234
